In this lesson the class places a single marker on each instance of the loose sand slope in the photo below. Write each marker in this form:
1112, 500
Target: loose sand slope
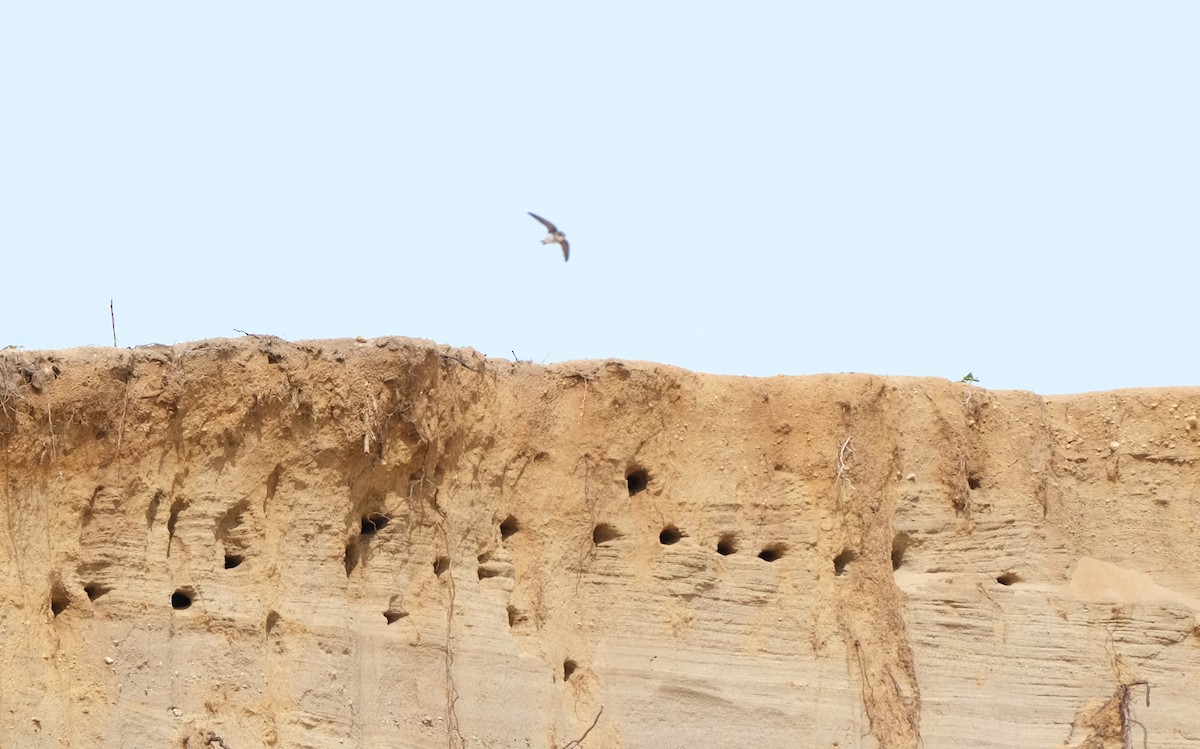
389, 543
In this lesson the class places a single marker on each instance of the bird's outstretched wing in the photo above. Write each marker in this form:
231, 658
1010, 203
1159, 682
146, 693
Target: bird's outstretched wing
566, 250
544, 222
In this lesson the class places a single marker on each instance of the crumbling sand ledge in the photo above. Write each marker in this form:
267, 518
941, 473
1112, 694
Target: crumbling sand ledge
254, 543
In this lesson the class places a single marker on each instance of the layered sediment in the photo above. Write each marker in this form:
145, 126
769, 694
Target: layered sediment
252, 542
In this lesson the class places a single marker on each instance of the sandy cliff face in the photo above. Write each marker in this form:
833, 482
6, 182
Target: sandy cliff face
249, 543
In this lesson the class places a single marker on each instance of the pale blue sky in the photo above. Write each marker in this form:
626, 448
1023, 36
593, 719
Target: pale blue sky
749, 188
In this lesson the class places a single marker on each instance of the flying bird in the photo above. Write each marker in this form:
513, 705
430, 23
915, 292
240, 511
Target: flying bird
554, 236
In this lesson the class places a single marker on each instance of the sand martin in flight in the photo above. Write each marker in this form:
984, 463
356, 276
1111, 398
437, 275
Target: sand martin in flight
554, 236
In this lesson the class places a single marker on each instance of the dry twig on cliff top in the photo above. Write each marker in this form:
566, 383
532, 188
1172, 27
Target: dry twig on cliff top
11, 384
459, 359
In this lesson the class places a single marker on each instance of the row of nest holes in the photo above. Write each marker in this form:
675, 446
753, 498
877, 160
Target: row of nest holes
372, 523
900, 544
60, 601
182, 598
727, 544
638, 479
604, 533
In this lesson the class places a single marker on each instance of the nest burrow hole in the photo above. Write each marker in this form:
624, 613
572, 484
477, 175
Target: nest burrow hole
394, 615
509, 526
58, 600
727, 544
440, 565
569, 667
182, 598
843, 560
95, 590
603, 533
669, 535
772, 552
900, 544
637, 480
373, 522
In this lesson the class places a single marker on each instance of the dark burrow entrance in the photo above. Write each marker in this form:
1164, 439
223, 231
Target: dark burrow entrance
842, 560
637, 480
510, 526
772, 552
727, 544
182, 598
603, 533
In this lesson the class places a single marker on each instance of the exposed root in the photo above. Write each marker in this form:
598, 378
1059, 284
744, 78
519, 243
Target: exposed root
121, 427
579, 741
1127, 719
370, 416
454, 737
843, 467
588, 550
